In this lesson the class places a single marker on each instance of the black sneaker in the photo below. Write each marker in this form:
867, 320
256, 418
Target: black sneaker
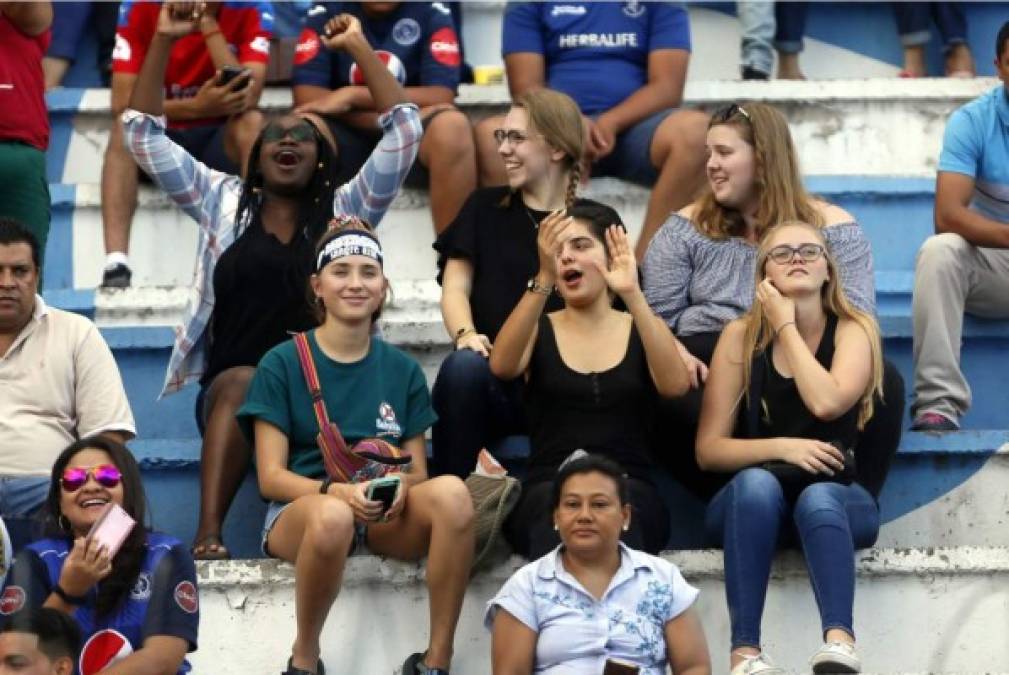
933, 422
291, 670
750, 73
414, 665
117, 276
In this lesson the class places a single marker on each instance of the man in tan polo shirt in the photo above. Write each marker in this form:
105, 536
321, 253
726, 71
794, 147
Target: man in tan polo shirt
58, 380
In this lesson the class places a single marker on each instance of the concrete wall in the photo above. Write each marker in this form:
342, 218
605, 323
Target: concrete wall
917, 610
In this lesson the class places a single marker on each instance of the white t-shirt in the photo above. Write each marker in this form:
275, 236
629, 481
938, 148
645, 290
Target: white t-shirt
577, 633
58, 383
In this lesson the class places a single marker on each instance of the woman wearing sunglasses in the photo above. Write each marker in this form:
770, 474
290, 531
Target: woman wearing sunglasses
698, 271
791, 385
487, 261
138, 609
256, 242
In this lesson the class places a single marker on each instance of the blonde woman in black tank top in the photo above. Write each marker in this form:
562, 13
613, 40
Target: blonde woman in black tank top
801, 369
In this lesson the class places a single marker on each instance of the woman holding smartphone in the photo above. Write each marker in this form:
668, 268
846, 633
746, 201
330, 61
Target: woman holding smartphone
540, 618
256, 241
800, 374
144, 593
370, 389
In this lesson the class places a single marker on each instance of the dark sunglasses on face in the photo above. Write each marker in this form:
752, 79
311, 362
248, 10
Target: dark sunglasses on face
299, 133
106, 475
723, 115
784, 254
513, 136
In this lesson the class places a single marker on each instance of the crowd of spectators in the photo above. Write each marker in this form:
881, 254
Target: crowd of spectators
750, 329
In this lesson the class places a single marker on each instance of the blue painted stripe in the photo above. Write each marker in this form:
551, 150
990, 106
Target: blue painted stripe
59, 258
887, 186
138, 337
72, 300
63, 105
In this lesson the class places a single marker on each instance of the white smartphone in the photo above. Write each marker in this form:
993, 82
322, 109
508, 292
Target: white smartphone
112, 528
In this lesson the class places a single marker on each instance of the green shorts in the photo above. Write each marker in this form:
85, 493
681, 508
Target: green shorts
24, 191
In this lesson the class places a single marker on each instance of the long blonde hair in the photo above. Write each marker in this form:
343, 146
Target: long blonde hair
783, 197
558, 119
759, 333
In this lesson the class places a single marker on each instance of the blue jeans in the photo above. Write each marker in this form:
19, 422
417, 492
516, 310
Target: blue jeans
631, 158
747, 518
913, 22
474, 408
756, 19
790, 18
22, 499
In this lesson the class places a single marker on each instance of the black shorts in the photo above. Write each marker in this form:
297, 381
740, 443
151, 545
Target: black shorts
205, 144
354, 146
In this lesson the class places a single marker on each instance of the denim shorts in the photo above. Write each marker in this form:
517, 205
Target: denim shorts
631, 159
357, 547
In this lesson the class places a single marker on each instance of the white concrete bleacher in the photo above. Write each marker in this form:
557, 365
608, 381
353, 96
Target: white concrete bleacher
872, 147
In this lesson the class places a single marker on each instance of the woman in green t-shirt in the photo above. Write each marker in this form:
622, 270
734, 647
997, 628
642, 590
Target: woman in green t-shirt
370, 389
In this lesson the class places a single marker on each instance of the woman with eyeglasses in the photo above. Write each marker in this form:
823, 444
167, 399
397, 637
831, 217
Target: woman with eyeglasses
487, 261
698, 271
792, 384
138, 610
256, 242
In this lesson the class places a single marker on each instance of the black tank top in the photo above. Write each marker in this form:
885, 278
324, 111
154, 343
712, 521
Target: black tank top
783, 412
609, 413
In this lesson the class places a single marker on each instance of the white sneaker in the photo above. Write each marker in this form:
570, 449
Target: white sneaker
753, 665
836, 657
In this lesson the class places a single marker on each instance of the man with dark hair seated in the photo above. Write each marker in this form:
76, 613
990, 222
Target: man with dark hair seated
58, 381
40, 641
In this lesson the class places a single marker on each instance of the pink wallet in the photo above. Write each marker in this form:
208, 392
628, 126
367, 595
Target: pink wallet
112, 528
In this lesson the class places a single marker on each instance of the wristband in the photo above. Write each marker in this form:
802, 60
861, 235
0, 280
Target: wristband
463, 332
324, 488
782, 327
67, 598
534, 286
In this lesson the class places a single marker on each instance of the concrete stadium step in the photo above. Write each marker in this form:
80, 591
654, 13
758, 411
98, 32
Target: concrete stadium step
896, 213
849, 127
927, 610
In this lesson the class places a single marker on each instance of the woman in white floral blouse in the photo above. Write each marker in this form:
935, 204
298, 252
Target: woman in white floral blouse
592, 599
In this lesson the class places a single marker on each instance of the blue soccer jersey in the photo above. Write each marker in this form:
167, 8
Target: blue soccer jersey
595, 52
163, 601
417, 42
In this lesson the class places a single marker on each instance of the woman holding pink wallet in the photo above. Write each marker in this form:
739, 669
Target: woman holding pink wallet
137, 607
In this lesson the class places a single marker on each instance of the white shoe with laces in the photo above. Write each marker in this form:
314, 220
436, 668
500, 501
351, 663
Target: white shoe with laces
836, 657
759, 664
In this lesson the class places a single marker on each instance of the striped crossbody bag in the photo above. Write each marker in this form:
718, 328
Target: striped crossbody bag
368, 458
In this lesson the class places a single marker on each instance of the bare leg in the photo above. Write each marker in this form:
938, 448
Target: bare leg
914, 61
240, 135
437, 520
492, 171
448, 152
678, 152
53, 69
960, 62
788, 67
314, 533
224, 459
119, 191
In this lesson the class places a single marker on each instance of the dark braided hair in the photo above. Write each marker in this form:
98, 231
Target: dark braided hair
316, 207
128, 562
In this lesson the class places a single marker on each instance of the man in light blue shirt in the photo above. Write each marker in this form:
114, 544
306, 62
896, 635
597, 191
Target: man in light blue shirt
964, 267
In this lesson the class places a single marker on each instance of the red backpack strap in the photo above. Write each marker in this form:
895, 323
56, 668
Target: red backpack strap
338, 461
311, 378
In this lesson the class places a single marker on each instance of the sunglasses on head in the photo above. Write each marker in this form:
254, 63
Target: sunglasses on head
106, 475
783, 254
723, 115
301, 132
